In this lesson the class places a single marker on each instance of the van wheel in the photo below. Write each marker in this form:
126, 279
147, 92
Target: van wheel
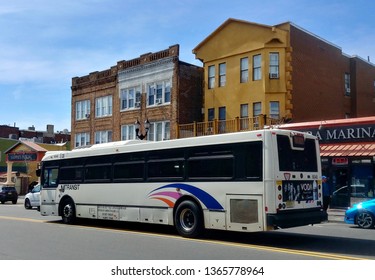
68, 212
27, 204
188, 219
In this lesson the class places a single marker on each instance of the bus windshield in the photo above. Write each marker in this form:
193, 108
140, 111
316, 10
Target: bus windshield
301, 159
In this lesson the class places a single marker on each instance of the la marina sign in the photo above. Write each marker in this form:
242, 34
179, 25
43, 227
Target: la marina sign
354, 133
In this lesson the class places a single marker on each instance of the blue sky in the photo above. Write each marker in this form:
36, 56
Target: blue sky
44, 43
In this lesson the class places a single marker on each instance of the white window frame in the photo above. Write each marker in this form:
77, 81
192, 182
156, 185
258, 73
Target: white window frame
222, 74
159, 93
275, 110
130, 98
244, 70
244, 116
82, 110
257, 67
211, 76
103, 136
257, 109
274, 65
128, 132
159, 131
103, 106
82, 139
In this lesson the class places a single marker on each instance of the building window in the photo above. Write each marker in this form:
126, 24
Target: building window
82, 110
257, 110
167, 91
211, 114
274, 65
211, 76
222, 119
104, 136
104, 106
130, 98
210, 118
159, 131
159, 93
244, 69
274, 110
244, 117
82, 139
257, 67
222, 74
128, 132
347, 84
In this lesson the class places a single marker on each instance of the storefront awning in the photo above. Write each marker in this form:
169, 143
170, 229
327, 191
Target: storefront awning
347, 149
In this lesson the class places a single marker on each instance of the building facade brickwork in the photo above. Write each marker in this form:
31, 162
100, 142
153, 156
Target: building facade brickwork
157, 87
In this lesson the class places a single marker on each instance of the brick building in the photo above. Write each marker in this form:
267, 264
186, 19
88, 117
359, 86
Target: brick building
156, 87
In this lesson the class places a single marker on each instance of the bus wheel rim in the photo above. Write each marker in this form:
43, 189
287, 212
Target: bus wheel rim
187, 219
68, 210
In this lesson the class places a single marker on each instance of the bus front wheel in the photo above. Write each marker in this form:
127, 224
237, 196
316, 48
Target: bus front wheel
68, 212
188, 219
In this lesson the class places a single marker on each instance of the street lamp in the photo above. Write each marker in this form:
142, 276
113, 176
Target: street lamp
137, 127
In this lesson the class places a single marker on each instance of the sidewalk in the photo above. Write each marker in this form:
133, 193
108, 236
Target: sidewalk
336, 215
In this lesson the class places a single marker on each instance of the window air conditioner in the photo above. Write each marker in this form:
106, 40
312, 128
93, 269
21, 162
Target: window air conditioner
159, 101
274, 75
137, 104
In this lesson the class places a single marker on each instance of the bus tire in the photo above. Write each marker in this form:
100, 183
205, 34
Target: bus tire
188, 219
68, 211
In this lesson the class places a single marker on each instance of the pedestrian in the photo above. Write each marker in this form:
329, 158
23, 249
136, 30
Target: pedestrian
326, 193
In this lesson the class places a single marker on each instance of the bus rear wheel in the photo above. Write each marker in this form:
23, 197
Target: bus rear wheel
188, 219
68, 212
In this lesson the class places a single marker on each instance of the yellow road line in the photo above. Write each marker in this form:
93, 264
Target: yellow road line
21, 219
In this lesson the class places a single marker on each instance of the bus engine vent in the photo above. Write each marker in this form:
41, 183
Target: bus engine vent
244, 211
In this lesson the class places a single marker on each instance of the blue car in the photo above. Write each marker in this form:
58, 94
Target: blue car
362, 214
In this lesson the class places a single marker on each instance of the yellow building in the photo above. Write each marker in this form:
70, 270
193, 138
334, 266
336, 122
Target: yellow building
246, 72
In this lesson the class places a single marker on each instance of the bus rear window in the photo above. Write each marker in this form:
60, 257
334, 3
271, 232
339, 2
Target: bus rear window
296, 160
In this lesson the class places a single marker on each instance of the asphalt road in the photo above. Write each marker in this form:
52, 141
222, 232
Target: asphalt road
26, 235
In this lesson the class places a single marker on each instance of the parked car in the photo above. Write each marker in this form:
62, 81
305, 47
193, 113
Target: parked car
341, 197
8, 193
32, 199
362, 214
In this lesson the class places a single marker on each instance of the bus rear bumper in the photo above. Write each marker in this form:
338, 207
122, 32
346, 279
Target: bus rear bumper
295, 218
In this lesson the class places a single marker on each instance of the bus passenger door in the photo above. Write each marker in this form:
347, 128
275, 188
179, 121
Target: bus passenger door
48, 206
244, 213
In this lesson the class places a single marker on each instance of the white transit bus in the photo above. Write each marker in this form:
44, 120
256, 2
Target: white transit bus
246, 181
